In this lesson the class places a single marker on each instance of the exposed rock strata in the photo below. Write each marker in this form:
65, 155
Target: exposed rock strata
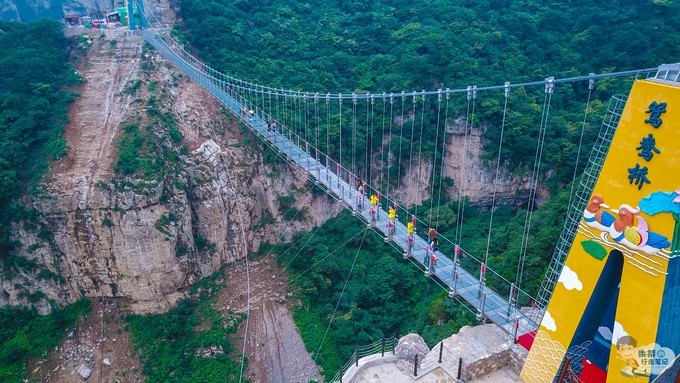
140, 239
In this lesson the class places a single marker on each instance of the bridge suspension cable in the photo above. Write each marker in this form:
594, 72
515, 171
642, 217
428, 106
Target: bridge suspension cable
354, 136
389, 144
441, 166
533, 181
434, 159
409, 173
382, 143
420, 152
369, 139
401, 134
591, 86
469, 124
506, 93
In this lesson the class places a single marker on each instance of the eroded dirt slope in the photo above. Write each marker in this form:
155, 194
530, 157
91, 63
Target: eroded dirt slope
274, 347
111, 62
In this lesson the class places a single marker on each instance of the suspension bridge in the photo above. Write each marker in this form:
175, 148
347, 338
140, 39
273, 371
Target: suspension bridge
300, 136
340, 182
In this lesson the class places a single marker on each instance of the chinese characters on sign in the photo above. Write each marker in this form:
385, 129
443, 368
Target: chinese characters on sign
648, 147
638, 175
655, 110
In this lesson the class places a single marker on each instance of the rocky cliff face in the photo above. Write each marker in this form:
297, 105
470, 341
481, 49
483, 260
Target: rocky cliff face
98, 233
476, 179
471, 176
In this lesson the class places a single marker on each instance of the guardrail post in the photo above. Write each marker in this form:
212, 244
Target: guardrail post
460, 367
456, 253
395, 341
480, 314
415, 366
441, 350
341, 373
328, 173
515, 330
482, 279
356, 357
511, 299
382, 351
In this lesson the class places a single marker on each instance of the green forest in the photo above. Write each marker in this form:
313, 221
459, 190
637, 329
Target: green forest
34, 100
354, 47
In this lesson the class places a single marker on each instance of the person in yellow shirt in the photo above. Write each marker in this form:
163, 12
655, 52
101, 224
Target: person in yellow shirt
410, 227
374, 204
391, 215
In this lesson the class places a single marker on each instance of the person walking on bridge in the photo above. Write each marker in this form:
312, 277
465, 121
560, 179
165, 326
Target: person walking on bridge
391, 217
374, 206
431, 235
410, 227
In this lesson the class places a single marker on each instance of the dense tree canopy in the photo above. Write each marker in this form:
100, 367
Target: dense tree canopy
33, 106
353, 46
340, 46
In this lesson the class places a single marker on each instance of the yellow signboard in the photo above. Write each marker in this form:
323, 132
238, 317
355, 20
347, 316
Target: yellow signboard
612, 309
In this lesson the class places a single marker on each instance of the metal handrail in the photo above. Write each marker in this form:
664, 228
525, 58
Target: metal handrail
383, 345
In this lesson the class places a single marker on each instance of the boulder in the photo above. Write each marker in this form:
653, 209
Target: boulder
409, 346
84, 371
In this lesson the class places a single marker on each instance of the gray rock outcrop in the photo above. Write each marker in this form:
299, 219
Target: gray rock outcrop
409, 346
96, 233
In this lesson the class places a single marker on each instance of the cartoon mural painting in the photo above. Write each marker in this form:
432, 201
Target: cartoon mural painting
627, 228
665, 202
595, 217
635, 237
626, 351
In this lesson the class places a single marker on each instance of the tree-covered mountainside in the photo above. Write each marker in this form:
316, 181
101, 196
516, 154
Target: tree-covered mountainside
33, 110
353, 46
340, 46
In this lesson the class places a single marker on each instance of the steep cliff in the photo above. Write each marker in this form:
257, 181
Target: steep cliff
101, 230
471, 176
